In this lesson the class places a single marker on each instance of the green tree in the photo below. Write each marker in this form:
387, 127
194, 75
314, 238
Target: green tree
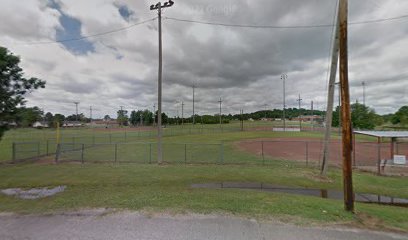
122, 118
13, 87
58, 118
49, 119
147, 117
401, 116
165, 118
26, 117
135, 118
362, 117
335, 118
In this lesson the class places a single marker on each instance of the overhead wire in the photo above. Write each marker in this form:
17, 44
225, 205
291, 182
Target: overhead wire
91, 35
213, 24
283, 26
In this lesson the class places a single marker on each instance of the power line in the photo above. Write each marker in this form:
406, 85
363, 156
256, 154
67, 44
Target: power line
284, 27
245, 26
214, 24
92, 35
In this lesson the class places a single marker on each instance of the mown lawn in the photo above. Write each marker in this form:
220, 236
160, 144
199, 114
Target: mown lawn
167, 188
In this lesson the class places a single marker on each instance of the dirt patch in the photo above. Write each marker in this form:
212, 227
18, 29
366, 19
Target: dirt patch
310, 149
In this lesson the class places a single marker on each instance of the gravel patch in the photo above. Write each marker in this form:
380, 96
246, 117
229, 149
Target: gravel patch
34, 193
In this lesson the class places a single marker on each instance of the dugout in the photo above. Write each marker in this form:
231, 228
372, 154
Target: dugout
380, 135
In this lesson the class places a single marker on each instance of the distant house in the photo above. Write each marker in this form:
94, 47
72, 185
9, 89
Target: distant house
266, 119
105, 123
39, 124
308, 118
72, 124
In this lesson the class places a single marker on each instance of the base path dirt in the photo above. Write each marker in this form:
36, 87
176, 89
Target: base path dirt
310, 149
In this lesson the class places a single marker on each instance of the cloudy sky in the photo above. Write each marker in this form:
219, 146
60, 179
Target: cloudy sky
241, 65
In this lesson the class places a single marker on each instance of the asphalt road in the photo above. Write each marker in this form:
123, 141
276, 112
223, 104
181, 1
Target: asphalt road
94, 225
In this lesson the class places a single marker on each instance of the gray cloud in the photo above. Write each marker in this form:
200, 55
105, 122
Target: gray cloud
243, 66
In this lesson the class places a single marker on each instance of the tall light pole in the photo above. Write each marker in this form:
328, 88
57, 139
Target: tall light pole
284, 77
300, 120
182, 113
76, 111
90, 115
364, 95
159, 7
312, 118
220, 112
330, 96
265, 105
121, 115
154, 114
193, 104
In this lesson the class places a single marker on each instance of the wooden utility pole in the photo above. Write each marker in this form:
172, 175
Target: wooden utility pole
159, 7
345, 109
330, 98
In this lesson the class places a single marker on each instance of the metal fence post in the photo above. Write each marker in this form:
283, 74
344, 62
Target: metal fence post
38, 149
14, 152
150, 153
185, 153
379, 158
307, 154
57, 153
354, 150
222, 153
47, 142
116, 152
263, 155
82, 153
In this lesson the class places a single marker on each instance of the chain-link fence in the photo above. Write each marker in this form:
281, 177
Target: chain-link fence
144, 153
366, 155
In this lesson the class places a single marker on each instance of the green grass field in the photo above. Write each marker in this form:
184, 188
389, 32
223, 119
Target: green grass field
150, 187
167, 188
33, 142
43, 141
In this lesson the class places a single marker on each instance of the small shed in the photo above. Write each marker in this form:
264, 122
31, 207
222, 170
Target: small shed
393, 135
